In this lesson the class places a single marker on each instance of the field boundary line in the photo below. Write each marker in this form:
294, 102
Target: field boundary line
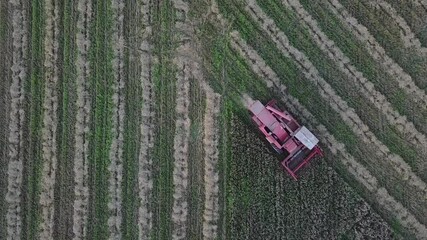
50, 105
145, 161
407, 35
16, 119
405, 127
374, 49
81, 167
360, 173
116, 149
346, 113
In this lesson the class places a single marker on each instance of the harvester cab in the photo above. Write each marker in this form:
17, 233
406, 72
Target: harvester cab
285, 135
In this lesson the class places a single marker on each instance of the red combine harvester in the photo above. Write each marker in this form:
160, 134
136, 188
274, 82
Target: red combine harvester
286, 136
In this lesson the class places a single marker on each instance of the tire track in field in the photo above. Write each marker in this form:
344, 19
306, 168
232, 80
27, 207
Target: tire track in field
359, 172
81, 187
378, 53
50, 119
346, 113
145, 177
211, 176
17, 118
116, 149
405, 127
408, 37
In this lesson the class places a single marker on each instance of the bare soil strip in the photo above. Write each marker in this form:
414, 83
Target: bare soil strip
81, 188
378, 53
182, 132
17, 118
145, 178
408, 36
211, 176
405, 127
116, 149
182, 125
50, 119
347, 113
360, 173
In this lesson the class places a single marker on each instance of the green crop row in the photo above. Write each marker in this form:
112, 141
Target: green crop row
4, 47
414, 16
377, 123
359, 57
101, 80
363, 107
165, 92
132, 124
196, 160
66, 120
34, 88
388, 35
303, 90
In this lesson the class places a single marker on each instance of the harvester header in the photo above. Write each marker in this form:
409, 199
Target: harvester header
285, 135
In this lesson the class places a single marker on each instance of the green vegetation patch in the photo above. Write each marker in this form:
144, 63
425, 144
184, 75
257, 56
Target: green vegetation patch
101, 81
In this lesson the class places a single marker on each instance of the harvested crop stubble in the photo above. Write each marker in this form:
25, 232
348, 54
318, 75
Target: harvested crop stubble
378, 53
360, 173
347, 113
408, 37
50, 123
405, 127
145, 181
116, 150
211, 177
182, 132
182, 127
81, 188
17, 118
422, 3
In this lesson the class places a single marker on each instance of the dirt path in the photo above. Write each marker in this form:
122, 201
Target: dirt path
116, 149
360, 173
17, 118
50, 121
145, 178
405, 127
81, 188
348, 115
378, 53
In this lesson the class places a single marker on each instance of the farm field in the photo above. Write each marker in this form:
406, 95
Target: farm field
129, 120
